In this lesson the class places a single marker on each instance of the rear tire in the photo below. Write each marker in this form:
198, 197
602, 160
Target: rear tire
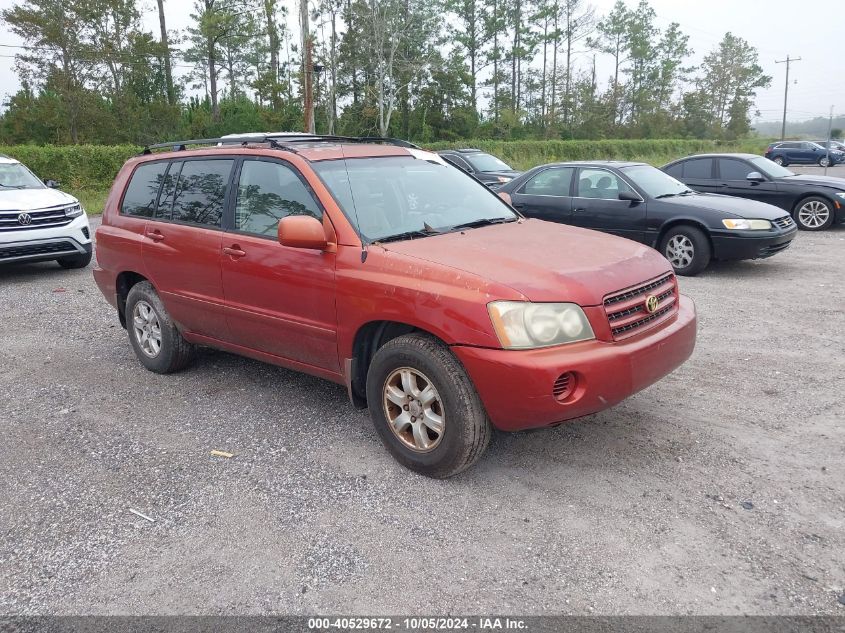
813, 214
156, 340
414, 381
687, 249
75, 261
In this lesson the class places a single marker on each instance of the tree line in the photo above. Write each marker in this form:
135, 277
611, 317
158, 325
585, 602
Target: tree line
420, 69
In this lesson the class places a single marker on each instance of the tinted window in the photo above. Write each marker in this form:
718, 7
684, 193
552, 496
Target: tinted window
268, 192
457, 162
168, 190
599, 183
142, 192
551, 182
201, 192
700, 168
731, 169
676, 170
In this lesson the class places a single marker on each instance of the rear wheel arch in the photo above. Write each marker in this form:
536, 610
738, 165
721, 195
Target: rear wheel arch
123, 284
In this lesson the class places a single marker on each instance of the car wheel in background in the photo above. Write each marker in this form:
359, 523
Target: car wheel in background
156, 341
813, 214
75, 261
687, 249
425, 407
779, 160
824, 161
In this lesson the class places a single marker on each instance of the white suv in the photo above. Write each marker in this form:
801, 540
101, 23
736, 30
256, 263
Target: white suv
40, 223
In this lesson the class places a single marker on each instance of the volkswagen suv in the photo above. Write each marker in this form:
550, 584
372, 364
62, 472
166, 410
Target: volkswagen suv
38, 222
386, 270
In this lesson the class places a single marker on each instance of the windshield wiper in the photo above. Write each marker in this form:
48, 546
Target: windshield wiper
426, 231
688, 192
11, 186
482, 222
666, 195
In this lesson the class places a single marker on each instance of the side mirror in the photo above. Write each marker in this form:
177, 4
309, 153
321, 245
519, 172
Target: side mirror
755, 176
630, 196
302, 231
52, 184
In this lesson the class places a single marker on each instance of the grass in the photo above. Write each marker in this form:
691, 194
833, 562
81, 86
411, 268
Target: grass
93, 200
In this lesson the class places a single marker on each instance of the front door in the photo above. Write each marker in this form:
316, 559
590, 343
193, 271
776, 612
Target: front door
733, 181
596, 205
546, 196
279, 300
182, 244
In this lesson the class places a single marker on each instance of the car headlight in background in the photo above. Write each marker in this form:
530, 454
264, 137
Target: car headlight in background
840, 194
503, 179
74, 211
524, 325
742, 224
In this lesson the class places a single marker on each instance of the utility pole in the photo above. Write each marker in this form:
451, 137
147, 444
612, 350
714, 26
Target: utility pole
786, 61
307, 69
827, 145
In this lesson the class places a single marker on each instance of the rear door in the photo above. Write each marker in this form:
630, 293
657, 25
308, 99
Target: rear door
279, 300
596, 205
547, 195
183, 241
733, 178
698, 174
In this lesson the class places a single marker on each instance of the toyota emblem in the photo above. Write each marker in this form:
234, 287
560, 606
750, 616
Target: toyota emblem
24, 219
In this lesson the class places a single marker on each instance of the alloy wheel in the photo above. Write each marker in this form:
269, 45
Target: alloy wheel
778, 160
824, 162
813, 214
414, 409
147, 329
680, 251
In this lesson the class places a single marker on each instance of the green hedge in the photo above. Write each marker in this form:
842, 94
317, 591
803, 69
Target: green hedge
95, 166
74, 166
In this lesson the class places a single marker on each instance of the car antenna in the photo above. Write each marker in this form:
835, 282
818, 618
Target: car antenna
364, 250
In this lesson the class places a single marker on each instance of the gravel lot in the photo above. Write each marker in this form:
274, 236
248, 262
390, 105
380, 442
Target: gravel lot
717, 491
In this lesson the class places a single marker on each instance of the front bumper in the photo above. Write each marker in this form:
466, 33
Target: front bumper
47, 243
750, 244
516, 387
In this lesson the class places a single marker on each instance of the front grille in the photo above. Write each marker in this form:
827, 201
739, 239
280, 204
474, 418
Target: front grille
786, 222
40, 219
34, 250
627, 311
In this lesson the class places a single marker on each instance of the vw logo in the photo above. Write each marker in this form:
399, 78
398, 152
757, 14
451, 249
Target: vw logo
24, 219
651, 304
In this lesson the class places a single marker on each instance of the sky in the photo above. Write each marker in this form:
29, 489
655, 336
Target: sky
813, 30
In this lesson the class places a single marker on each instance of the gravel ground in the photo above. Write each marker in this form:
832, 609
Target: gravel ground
717, 491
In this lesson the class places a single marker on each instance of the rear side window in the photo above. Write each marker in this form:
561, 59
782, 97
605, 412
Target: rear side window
551, 182
142, 192
267, 192
676, 170
700, 168
201, 192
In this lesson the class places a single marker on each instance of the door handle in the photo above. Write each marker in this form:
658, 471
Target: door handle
579, 210
518, 206
155, 235
234, 251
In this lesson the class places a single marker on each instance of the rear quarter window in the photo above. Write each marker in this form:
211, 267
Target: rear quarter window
142, 193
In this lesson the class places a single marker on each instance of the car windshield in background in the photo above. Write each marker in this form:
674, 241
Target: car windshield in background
486, 162
654, 182
16, 176
770, 168
394, 197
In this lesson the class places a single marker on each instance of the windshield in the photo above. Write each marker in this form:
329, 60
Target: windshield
16, 176
770, 168
654, 182
486, 162
390, 196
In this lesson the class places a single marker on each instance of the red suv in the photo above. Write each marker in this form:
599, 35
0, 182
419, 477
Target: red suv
384, 269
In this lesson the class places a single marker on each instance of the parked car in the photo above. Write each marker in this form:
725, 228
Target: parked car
834, 145
384, 269
490, 170
38, 222
640, 202
815, 202
802, 153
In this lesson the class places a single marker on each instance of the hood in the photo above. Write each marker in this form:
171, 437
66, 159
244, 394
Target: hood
543, 261
729, 205
33, 199
812, 179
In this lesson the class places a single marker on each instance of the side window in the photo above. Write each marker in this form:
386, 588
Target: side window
601, 184
201, 192
700, 169
551, 182
267, 192
730, 169
676, 170
142, 192
457, 162
168, 190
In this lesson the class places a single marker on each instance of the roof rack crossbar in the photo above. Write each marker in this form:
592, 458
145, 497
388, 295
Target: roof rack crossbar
278, 141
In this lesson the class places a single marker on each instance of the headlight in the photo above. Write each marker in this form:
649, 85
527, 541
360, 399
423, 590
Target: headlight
503, 179
840, 194
747, 225
523, 325
74, 211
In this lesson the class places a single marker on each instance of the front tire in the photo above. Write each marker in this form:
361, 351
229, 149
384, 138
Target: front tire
75, 261
425, 408
156, 340
824, 161
780, 161
814, 214
687, 249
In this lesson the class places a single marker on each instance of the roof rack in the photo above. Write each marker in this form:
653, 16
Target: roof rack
278, 141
